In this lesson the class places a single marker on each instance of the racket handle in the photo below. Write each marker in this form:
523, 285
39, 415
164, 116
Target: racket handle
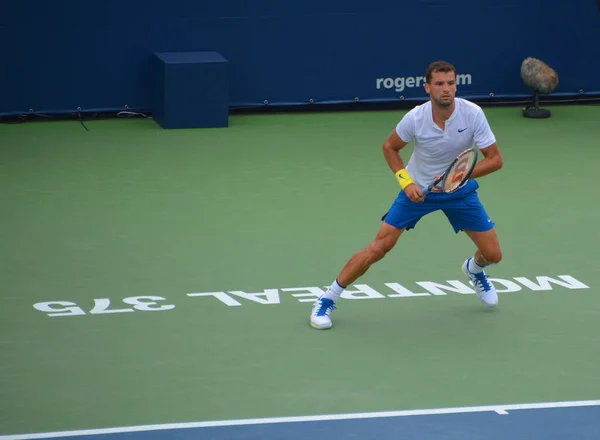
434, 184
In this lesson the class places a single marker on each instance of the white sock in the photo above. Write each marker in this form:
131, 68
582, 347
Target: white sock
334, 291
474, 267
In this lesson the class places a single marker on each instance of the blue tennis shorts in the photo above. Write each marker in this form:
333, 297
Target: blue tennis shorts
462, 208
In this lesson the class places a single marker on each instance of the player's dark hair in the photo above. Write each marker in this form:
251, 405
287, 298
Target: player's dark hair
438, 66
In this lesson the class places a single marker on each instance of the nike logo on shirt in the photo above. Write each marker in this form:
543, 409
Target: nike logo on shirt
460, 131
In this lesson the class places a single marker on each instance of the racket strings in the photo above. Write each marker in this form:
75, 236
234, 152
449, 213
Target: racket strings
459, 171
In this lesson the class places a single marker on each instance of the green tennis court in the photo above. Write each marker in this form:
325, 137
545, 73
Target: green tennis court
152, 276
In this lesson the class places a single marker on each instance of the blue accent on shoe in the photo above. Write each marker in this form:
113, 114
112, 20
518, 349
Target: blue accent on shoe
325, 306
481, 279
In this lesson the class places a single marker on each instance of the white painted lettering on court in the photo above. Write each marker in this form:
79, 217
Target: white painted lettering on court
509, 286
440, 289
101, 305
309, 294
59, 308
403, 292
221, 296
272, 296
543, 283
362, 291
148, 303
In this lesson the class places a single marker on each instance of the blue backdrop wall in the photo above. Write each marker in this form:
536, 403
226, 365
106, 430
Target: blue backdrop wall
96, 55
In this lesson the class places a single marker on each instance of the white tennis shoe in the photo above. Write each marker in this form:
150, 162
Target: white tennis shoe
320, 318
483, 288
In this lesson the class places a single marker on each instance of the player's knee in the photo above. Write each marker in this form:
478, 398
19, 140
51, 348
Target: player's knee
493, 257
377, 250
375, 254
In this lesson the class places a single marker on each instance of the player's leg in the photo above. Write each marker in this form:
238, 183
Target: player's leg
402, 215
356, 267
360, 262
488, 252
468, 214
488, 247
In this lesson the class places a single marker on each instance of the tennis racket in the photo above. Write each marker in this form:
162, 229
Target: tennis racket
457, 173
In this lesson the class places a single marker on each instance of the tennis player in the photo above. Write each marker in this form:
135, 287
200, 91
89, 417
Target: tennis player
441, 128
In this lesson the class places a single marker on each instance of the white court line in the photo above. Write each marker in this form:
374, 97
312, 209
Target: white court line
499, 409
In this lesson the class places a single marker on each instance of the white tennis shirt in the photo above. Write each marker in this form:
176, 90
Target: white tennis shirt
434, 148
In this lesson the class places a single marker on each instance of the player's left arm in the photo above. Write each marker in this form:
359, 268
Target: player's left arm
485, 139
492, 161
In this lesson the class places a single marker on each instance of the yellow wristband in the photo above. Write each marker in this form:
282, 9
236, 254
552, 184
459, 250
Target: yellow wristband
404, 178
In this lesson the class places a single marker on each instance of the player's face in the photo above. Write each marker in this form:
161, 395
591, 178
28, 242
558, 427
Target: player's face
442, 88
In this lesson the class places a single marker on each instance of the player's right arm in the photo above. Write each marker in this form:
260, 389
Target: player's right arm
391, 152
